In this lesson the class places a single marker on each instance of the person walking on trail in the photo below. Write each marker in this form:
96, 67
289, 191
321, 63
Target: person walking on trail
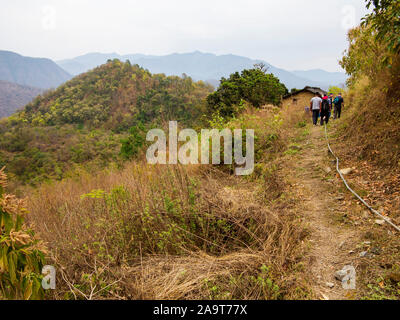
330, 104
325, 110
315, 105
338, 102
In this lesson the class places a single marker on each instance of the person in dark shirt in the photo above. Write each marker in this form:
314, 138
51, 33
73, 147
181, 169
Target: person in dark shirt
330, 104
339, 103
325, 110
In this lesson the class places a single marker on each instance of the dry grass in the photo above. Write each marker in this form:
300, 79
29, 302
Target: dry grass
172, 232
156, 242
371, 119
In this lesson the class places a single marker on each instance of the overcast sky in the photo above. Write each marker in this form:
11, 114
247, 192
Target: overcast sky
291, 34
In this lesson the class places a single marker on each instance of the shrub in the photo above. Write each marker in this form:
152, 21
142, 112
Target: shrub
132, 145
254, 86
21, 254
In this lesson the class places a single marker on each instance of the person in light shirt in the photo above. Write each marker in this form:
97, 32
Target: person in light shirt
315, 105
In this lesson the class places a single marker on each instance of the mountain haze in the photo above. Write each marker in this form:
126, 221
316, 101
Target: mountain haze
200, 66
89, 118
35, 72
328, 78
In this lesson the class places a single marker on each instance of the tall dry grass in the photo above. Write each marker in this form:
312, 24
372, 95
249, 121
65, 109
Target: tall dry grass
173, 232
371, 123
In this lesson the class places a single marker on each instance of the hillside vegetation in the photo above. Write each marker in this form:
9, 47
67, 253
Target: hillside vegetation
373, 62
254, 86
178, 232
368, 139
181, 230
117, 227
87, 119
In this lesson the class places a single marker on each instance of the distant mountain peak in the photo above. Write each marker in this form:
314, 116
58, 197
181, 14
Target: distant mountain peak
14, 96
28, 71
207, 67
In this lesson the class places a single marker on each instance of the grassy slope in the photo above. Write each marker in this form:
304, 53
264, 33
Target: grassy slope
178, 232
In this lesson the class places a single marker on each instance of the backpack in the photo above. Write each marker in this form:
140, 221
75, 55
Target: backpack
336, 101
325, 105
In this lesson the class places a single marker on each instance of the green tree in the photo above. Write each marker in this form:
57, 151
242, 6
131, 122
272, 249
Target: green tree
134, 142
335, 90
363, 54
385, 20
254, 86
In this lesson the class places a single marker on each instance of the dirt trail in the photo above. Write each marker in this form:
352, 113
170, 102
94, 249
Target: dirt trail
331, 243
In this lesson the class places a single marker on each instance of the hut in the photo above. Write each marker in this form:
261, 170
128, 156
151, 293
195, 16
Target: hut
301, 98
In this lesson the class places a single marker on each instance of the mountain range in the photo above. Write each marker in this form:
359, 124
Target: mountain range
25, 77
34, 72
205, 66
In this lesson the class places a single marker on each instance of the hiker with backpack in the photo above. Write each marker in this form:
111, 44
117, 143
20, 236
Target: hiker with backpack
338, 102
330, 104
315, 106
325, 110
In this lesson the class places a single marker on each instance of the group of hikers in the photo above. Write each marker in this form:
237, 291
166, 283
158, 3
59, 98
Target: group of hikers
322, 107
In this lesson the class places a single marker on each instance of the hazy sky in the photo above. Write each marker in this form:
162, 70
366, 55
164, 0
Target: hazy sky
292, 34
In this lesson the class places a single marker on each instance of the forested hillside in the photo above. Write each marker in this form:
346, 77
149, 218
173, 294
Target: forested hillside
88, 119
161, 217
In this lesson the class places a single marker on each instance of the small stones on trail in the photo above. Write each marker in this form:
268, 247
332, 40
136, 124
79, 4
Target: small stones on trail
347, 171
341, 274
376, 251
341, 244
340, 198
380, 222
328, 170
330, 285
